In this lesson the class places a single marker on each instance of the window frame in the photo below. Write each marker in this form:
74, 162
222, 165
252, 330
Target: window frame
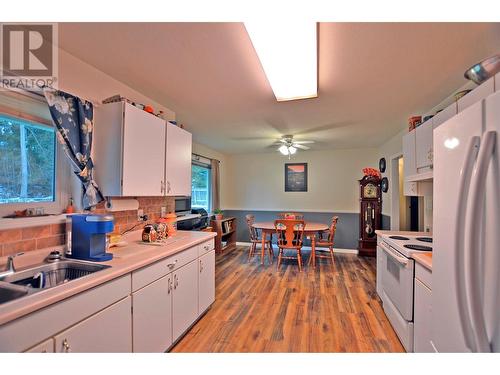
62, 172
202, 162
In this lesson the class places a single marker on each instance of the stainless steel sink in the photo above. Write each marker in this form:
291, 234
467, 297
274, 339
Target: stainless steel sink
47, 275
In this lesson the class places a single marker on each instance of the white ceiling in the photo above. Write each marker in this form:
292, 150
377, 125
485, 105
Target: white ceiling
372, 77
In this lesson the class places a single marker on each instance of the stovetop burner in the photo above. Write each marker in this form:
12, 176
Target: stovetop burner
425, 239
418, 247
399, 238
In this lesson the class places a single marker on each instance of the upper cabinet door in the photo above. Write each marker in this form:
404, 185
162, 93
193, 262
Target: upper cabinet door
423, 143
409, 163
178, 161
143, 153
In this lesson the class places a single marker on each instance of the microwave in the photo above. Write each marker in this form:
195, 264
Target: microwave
182, 206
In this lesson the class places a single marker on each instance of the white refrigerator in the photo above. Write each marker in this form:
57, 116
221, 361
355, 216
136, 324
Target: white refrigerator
466, 235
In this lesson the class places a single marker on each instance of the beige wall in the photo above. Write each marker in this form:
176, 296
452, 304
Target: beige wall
257, 181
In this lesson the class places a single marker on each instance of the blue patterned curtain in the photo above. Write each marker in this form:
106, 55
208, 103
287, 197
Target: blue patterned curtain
73, 118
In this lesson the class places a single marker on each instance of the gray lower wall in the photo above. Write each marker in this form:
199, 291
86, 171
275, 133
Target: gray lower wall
346, 236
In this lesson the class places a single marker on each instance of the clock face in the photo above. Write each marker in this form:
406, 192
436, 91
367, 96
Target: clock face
370, 191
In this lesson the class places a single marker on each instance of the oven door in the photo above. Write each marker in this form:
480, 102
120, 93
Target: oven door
397, 279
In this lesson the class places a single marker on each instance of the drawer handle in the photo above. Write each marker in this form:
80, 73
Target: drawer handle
66, 346
172, 265
176, 282
206, 247
169, 288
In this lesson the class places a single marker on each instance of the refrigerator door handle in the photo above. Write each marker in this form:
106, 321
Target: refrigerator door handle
473, 240
459, 262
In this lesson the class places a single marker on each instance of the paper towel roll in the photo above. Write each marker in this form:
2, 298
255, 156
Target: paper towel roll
113, 204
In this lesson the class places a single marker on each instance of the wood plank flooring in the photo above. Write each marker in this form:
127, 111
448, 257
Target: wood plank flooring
262, 309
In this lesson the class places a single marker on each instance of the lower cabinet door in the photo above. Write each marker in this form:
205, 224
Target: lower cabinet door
108, 331
44, 347
206, 281
152, 317
185, 298
422, 318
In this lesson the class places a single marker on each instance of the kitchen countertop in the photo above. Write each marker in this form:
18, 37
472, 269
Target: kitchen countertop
126, 259
425, 259
401, 233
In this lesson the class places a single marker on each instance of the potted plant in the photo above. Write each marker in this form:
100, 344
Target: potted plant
218, 214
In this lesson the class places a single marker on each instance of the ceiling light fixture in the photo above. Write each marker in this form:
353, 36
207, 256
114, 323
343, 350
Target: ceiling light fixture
287, 150
288, 52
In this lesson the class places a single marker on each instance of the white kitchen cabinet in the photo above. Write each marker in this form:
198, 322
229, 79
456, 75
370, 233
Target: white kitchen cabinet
497, 82
44, 347
152, 317
480, 92
184, 298
409, 149
422, 318
178, 161
423, 146
109, 331
444, 115
206, 281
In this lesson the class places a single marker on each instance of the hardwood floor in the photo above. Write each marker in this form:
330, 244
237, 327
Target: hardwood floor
262, 309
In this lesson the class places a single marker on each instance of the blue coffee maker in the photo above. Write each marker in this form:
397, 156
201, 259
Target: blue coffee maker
88, 237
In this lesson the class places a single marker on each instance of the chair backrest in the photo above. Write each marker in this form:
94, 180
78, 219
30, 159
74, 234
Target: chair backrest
290, 233
333, 229
290, 216
251, 230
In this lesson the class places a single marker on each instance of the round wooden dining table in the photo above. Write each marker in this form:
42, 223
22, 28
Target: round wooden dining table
310, 230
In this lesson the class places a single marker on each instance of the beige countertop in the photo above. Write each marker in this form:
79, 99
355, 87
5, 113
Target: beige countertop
425, 259
125, 260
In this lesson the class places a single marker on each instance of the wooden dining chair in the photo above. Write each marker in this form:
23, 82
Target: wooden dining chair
254, 239
290, 216
290, 236
327, 242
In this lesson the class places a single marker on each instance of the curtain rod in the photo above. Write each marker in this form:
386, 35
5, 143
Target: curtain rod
201, 156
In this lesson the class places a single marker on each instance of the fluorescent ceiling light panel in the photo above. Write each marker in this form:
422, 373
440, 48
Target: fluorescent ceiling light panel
289, 55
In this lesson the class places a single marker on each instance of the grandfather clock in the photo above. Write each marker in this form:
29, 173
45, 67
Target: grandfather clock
370, 217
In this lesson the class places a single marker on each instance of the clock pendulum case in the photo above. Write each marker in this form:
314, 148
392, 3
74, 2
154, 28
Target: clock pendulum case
370, 218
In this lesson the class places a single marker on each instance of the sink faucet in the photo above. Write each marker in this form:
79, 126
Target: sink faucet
10, 265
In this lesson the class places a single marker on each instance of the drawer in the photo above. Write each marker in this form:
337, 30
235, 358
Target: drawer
155, 271
206, 247
403, 328
424, 275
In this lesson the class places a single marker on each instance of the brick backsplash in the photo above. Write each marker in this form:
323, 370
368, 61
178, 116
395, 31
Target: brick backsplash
43, 236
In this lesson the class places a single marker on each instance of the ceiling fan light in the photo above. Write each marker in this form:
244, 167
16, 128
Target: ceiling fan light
284, 150
292, 150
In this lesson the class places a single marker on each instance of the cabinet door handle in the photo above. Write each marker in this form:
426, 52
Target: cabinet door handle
169, 287
66, 346
201, 266
206, 247
172, 265
176, 282
168, 187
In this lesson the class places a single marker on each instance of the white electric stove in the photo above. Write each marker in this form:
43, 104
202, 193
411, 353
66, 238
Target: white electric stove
395, 278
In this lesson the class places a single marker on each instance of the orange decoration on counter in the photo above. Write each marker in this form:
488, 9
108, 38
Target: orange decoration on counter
171, 221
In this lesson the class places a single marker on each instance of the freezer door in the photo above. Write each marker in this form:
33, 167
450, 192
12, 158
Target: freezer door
490, 251
453, 150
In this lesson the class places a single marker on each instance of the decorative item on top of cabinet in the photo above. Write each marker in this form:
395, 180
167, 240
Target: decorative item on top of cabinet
370, 218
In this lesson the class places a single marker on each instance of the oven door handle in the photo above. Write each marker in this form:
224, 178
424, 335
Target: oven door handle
394, 255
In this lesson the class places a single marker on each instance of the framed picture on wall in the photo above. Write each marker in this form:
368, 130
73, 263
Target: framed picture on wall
295, 176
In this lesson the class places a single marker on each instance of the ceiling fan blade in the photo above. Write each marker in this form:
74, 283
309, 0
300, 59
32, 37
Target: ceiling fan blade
303, 142
301, 146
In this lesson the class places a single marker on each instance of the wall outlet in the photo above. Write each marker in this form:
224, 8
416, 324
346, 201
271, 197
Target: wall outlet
140, 214
163, 211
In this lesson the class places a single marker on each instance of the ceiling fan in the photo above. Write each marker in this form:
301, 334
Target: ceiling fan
289, 147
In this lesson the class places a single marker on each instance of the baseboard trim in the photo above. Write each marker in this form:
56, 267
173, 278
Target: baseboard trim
337, 250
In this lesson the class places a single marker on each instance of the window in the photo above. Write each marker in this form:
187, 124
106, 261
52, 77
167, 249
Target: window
201, 184
33, 170
27, 161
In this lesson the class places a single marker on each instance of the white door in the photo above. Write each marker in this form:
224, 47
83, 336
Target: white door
109, 331
152, 317
185, 298
143, 153
452, 148
206, 284
422, 319
178, 161
490, 255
